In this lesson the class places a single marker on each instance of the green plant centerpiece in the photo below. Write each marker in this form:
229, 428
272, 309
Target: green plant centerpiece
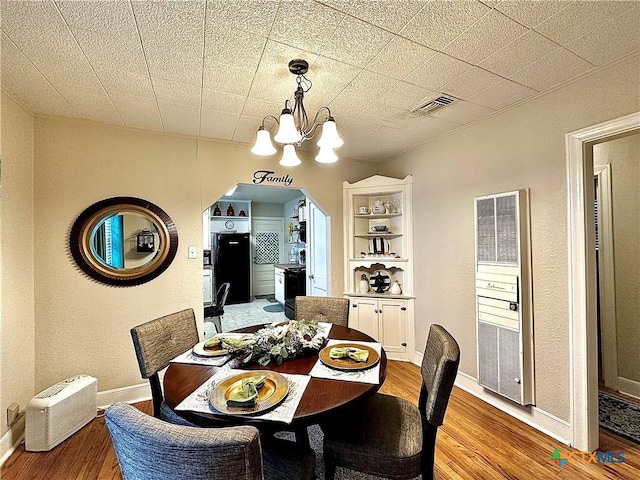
277, 343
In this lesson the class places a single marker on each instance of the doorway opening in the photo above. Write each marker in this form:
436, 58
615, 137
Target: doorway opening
582, 276
274, 220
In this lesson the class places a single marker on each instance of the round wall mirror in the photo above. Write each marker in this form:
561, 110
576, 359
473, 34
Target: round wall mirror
123, 241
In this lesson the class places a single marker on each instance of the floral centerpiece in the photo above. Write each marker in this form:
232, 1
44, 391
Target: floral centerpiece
277, 342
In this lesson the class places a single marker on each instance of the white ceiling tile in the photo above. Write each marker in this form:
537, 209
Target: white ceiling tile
580, 18
437, 71
490, 33
255, 16
226, 78
462, 112
171, 26
93, 105
387, 116
501, 94
330, 77
114, 80
470, 83
179, 68
438, 23
356, 42
222, 102
531, 13
561, 65
392, 15
138, 112
218, 124
20, 78
276, 57
430, 127
523, 51
104, 53
406, 96
168, 91
257, 108
399, 58
184, 119
306, 25
271, 89
234, 47
611, 40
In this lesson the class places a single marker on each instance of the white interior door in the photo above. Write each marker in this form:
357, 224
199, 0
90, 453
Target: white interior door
268, 248
318, 243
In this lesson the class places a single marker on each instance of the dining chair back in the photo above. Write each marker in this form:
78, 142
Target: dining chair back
215, 312
323, 309
390, 437
156, 343
148, 448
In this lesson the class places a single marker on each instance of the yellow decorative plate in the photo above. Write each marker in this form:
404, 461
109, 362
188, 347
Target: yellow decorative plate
270, 395
347, 363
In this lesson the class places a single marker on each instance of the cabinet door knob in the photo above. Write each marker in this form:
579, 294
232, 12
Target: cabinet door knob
403, 344
517, 380
355, 305
403, 308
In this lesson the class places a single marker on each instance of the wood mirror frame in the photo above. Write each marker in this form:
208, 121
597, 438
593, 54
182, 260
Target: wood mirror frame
82, 233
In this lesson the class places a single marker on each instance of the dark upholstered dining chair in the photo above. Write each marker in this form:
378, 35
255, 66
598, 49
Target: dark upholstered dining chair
149, 449
323, 309
390, 437
156, 343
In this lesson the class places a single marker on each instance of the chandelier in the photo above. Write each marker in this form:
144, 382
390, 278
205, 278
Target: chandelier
294, 126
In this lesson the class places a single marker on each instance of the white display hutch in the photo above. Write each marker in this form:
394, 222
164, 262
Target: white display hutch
387, 317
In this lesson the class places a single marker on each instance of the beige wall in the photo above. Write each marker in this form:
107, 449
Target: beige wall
521, 148
624, 156
17, 368
83, 326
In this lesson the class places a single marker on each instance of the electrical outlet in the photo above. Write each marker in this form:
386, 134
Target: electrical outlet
12, 413
192, 252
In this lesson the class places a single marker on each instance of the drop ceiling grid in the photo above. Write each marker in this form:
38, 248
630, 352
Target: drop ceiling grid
178, 66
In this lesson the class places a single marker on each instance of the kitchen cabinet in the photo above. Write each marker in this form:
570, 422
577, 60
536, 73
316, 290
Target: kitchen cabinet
378, 239
279, 285
384, 319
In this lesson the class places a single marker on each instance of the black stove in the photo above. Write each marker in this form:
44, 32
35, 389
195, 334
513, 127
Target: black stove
295, 284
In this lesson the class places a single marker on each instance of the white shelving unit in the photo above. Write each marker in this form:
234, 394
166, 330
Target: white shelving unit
383, 203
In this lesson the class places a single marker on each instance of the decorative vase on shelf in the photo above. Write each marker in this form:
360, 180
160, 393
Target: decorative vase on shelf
242, 213
396, 289
364, 283
216, 211
377, 207
230, 211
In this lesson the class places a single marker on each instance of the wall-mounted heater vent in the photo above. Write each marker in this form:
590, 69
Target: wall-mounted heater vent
433, 105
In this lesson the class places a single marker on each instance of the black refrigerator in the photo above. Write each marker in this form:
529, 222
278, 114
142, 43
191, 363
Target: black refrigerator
232, 263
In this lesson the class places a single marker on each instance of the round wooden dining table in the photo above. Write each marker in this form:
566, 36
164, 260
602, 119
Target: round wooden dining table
321, 396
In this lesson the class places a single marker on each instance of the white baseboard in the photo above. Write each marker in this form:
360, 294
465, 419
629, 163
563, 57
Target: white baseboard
628, 387
131, 394
10, 440
533, 416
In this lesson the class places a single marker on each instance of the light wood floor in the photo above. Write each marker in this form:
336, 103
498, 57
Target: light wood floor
477, 441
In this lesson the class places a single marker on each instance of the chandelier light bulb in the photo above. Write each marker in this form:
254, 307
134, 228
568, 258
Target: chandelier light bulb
289, 157
263, 145
287, 133
326, 155
330, 137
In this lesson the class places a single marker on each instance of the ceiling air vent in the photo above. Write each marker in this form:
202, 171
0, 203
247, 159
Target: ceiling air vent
433, 105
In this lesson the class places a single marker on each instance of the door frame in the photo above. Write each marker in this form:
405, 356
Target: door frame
606, 278
583, 348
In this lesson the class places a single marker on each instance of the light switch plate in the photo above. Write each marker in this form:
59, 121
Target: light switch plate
192, 252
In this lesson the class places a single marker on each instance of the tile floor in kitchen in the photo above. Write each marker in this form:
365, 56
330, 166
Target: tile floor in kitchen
242, 315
